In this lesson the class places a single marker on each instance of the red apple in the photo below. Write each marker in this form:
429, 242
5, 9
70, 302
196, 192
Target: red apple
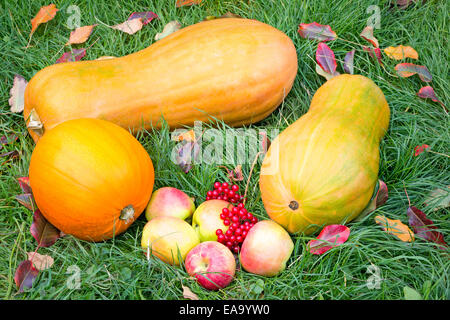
168, 201
206, 219
212, 264
266, 249
167, 238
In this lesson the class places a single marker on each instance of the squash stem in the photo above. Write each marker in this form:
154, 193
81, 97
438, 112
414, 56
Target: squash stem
293, 205
127, 214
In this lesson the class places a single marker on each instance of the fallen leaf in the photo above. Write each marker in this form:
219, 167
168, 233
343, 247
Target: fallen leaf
4, 140
408, 69
401, 52
181, 3
27, 200
411, 294
396, 228
325, 58
186, 136
43, 231
424, 228
169, 28
330, 236
419, 149
10, 155
265, 142
24, 183
44, 15
374, 53
186, 154
257, 287
146, 16
130, 26
188, 294
80, 35
316, 31
40, 262
427, 92
235, 174
324, 74
379, 199
348, 62
367, 34
74, 55
17, 97
438, 198
403, 4
25, 275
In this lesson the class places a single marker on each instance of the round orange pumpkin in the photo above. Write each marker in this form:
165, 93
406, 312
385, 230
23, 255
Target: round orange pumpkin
90, 178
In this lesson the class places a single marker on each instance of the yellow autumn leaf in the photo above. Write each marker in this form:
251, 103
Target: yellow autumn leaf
401, 52
396, 228
186, 136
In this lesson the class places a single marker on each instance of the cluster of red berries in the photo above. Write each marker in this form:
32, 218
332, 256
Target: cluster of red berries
223, 191
239, 221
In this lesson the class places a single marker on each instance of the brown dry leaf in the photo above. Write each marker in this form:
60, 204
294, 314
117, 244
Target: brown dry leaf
80, 35
169, 28
186, 136
16, 100
40, 261
181, 3
188, 294
396, 228
235, 174
130, 26
44, 15
401, 52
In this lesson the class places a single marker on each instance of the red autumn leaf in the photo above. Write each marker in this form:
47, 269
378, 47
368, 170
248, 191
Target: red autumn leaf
419, 149
408, 69
74, 55
374, 53
325, 58
428, 93
265, 142
367, 34
145, 17
25, 275
44, 15
424, 227
235, 174
24, 183
377, 201
181, 3
316, 31
331, 236
27, 200
43, 231
348, 61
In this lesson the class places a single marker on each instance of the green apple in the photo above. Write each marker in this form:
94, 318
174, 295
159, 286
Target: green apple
206, 219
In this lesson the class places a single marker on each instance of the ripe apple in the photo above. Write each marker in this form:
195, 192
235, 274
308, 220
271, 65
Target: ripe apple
167, 238
266, 249
168, 201
212, 264
206, 219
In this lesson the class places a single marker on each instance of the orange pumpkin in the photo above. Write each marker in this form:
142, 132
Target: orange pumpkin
235, 70
90, 178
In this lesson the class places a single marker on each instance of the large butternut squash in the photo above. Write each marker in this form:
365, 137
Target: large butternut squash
236, 70
323, 168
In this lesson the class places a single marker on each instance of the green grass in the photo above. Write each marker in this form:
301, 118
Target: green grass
117, 269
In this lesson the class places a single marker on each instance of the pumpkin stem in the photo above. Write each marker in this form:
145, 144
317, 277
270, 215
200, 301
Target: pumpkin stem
35, 124
127, 213
293, 205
